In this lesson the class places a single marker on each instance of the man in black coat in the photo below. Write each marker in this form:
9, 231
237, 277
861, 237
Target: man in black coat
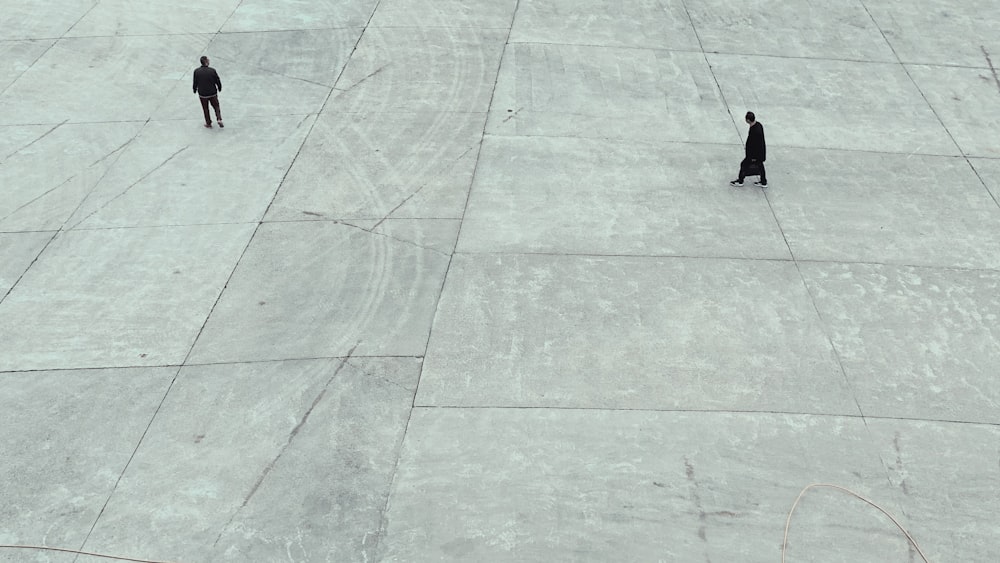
207, 85
756, 154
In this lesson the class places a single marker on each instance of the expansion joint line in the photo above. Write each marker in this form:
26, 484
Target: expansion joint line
937, 116
777, 221
444, 280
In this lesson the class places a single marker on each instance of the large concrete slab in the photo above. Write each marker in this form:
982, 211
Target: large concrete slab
515, 216
48, 20
66, 438
914, 342
935, 32
806, 103
320, 289
965, 99
590, 196
17, 252
989, 172
544, 331
516, 485
40, 196
136, 297
584, 91
946, 485
279, 502
371, 165
16, 57
169, 176
265, 86
101, 90
792, 28
885, 208
123, 17
445, 13
662, 24
267, 15
421, 69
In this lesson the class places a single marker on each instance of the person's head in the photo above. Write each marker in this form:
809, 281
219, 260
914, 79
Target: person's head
204, 61
751, 118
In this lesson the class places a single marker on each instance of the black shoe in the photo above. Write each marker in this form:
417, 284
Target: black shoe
736, 183
221, 125
208, 125
761, 184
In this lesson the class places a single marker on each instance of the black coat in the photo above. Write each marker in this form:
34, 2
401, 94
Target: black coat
206, 82
756, 148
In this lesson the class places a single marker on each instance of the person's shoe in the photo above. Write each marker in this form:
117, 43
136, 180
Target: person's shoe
736, 183
208, 125
221, 125
761, 184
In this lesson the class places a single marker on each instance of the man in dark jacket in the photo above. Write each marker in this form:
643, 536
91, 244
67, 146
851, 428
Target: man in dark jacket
756, 154
207, 85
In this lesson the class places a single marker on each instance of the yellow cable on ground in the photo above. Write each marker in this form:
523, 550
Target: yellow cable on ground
788, 522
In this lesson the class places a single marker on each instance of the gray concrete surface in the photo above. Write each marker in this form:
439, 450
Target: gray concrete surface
464, 280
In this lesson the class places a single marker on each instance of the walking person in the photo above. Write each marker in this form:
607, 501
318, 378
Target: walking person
207, 85
756, 154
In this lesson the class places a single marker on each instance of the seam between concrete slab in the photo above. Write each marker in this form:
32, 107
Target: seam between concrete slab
704, 411
777, 222
200, 364
380, 533
25, 272
33, 141
129, 462
741, 258
228, 280
288, 443
710, 143
928, 102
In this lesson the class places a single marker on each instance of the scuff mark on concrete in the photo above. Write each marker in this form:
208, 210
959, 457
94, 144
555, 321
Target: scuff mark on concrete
993, 70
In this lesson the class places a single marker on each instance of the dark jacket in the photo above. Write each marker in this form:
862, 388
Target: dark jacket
206, 82
756, 148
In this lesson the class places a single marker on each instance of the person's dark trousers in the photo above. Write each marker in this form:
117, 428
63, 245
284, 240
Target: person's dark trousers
746, 169
214, 100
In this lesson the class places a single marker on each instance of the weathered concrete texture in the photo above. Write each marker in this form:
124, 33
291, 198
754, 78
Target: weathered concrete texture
657, 486
586, 91
315, 458
17, 252
914, 342
66, 438
267, 15
792, 28
166, 176
834, 104
966, 101
445, 13
661, 24
371, 165
465, 280
421, 69
520, 331
100, 90
543, 194
377, 293
40, 196
941, 33
135, 297
885, 208
17, 57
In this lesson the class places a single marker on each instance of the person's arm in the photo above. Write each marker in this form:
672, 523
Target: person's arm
218, 81
194, 82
